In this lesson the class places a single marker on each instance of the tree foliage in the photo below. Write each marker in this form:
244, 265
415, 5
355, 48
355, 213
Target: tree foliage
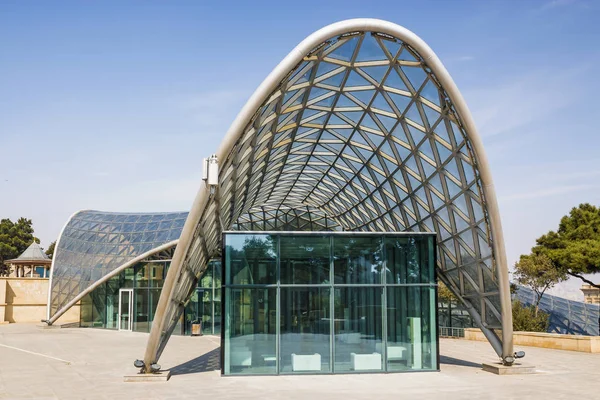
537, 272
575, 247
50, 250
444, 294
525, 318
15, 237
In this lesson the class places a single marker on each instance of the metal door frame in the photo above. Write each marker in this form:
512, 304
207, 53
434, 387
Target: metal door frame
130, 291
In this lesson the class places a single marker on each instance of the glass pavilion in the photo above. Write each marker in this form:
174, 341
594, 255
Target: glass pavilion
359, 129
328, 303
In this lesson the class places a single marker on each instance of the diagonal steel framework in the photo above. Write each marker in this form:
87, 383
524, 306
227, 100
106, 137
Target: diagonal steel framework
95, 244
360, 128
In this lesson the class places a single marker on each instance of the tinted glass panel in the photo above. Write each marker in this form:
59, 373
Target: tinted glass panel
112, 302
358, 259
411, 336
141, 310
305, 330
409, 260
304, 259
251, 259
250, 340
358, 329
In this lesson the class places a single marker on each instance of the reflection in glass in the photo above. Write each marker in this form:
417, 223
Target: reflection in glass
375, 311
411, 330
357, 259
305, 330
141, 275
217, 312
250, 331
251, 259
157, 274
358, 329
112, 302
85, 313
99, 306
409, 260
304, 259
141, 305
154, 295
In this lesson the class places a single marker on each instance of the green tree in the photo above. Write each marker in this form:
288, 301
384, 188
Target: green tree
525, 318
50, 250
444, 294
537, 272
15, 237
575, 247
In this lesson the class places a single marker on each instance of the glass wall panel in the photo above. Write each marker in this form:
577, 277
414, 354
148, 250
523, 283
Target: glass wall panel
358, 259
304, 259
205, 308
250, 331
157, 274
358, 329
154, 295
112, 302
217, 312
251, 259
375, 311
99, 306
216, 297
141, 306
192, 313
141, 275
409, 260
128, 277
85, 313
411, 329
305, 330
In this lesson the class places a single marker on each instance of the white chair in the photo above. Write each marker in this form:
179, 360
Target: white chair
362, 362
306, 362
394, 353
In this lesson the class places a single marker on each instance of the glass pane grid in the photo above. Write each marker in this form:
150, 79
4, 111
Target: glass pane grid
330, 327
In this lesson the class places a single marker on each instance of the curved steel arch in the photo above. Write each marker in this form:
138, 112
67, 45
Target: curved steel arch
362, 122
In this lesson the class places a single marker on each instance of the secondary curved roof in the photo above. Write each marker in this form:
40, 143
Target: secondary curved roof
93, 244
360, 124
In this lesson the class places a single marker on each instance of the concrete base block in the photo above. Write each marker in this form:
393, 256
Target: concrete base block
161, 376
46, 326
43, 325
515, 369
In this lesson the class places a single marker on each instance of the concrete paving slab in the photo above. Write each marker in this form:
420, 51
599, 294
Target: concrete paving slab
98, 360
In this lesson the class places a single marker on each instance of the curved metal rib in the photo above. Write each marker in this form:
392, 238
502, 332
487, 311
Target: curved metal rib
256, 151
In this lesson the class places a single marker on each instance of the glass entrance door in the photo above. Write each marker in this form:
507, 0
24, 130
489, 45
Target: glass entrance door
125, 309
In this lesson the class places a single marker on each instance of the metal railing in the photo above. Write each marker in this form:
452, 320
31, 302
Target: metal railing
452, 332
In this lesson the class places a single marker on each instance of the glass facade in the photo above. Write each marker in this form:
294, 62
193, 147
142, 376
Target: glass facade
568, 317
328, 303
128, 301
95, 243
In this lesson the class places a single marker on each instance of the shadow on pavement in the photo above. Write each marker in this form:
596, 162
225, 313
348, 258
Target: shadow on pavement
456, 361
206, 362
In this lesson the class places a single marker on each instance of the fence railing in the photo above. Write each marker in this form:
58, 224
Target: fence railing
452, 332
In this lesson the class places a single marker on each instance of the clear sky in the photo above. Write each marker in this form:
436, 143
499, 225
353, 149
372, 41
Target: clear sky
111, 105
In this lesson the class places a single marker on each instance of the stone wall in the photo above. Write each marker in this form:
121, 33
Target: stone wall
587, 344
24, 300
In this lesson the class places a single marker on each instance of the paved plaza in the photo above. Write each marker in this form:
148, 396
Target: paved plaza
77, 363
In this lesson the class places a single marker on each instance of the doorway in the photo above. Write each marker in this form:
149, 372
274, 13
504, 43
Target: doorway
125, 309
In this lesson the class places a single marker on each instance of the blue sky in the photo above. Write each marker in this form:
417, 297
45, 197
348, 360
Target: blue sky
111, 105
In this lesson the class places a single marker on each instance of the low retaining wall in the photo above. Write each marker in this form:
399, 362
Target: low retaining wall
587, 344
24, 300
